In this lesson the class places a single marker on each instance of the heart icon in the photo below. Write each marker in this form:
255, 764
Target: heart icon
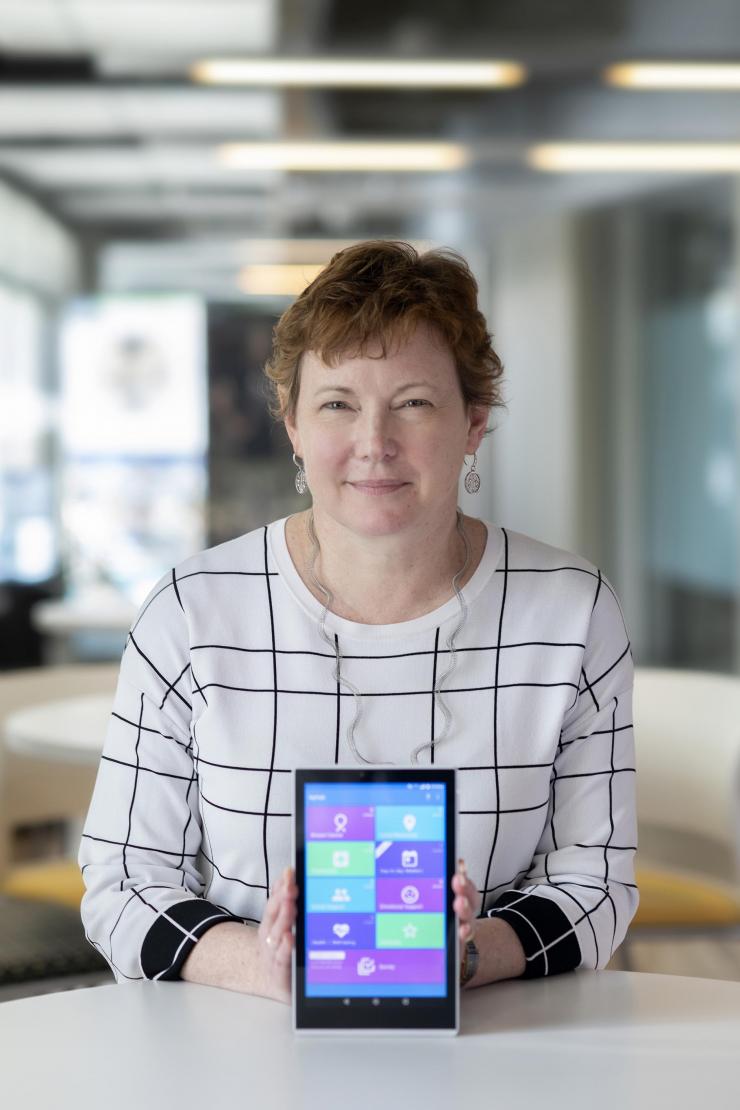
340, 930
409, 822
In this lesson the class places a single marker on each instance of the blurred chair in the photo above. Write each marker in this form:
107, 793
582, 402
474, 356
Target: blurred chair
687, 737
41, 932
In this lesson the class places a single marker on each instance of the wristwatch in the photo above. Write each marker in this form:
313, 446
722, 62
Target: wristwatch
469, 964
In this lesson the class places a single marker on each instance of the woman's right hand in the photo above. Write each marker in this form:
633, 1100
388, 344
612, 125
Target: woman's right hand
275, 936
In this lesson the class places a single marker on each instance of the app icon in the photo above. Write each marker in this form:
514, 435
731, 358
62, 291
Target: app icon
410, 931
409, 821
340, 859
366, 965
410, 895
340, 929
410, 858
341, 894
340, 822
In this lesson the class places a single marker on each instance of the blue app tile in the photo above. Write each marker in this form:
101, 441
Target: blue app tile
411, 822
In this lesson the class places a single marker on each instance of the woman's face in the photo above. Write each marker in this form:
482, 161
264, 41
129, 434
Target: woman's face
383, 439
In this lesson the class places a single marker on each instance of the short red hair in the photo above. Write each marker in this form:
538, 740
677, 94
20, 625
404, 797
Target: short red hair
378, 292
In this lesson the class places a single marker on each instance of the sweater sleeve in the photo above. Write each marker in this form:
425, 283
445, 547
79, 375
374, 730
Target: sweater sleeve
576, 902
143, 908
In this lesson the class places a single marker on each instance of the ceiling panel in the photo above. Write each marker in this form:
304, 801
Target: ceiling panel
61, 167
164, 27
37, 26
29, 112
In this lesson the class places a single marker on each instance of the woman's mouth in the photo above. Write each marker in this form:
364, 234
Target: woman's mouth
378, 487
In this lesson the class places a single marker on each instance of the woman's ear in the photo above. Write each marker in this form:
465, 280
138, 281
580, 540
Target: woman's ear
293, 435
477, 421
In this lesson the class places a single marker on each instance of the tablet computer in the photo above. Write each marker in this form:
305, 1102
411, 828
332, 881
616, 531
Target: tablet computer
376, 937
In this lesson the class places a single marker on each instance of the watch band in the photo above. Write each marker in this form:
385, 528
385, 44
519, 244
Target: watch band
469, 965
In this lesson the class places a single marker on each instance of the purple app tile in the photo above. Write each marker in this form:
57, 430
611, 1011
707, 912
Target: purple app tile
353, 930
340, 822
423, 858
424, 965
410, 895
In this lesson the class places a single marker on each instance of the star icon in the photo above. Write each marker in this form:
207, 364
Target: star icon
410, 931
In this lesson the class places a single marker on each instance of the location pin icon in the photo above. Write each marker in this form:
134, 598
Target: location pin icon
340, 821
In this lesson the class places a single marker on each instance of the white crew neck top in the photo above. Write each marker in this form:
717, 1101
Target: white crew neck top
354, 630
226, 685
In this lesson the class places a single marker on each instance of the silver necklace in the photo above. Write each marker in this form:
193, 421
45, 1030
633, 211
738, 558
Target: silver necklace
334, 645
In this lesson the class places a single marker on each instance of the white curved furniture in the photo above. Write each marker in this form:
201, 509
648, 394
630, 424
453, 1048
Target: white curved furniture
68, 729
687, 738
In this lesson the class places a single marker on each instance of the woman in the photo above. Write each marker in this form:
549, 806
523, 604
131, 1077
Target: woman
380, 625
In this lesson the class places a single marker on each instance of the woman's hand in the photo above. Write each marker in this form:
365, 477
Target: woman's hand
275, 936
466, 903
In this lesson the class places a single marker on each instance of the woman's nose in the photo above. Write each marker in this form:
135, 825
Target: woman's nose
375, 439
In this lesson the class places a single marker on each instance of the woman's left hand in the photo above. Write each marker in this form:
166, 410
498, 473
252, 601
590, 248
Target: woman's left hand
466, 903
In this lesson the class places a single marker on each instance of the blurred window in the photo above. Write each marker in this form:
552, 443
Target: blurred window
28, 547
690, 433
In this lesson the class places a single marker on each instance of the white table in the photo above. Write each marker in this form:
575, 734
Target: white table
581, 1041
99, 610
70, 729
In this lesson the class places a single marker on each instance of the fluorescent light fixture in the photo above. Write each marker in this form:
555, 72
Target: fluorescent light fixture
356, 73
635, 157
345, 156
280, 280
673, 75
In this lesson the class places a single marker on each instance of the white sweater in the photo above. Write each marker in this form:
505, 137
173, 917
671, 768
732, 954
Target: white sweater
226, 685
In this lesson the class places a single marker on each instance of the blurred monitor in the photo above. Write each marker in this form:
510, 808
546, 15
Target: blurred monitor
134, 438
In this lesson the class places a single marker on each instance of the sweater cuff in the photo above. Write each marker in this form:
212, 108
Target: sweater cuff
544, 931
175, 933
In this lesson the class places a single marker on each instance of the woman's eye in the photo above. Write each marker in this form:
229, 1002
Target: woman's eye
329, 404
416, 401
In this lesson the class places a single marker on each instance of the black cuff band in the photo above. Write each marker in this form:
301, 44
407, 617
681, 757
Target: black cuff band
540, 923
174, 934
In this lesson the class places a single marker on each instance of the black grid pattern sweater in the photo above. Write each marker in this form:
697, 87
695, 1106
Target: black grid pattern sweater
226, 685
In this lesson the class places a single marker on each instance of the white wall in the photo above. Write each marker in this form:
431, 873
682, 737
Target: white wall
534, 454
36, 251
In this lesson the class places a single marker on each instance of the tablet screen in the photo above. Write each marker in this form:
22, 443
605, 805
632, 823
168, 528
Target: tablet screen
375, 873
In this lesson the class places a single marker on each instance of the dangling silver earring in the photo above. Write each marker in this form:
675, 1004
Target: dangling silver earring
301, 484
472, 478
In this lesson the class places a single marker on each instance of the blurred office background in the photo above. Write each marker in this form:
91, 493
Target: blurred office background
173, 172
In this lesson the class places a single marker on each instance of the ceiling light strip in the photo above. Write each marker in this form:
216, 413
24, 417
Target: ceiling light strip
703, 76
278, 280
635, 157
359, 73
345, 156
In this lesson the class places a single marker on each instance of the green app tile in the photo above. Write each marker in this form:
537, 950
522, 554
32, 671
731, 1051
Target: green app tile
348, 857
410, 930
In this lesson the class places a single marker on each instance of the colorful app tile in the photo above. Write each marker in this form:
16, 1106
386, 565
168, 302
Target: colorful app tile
409, 822
411, 895
348, 930
374, 966
401, 857
340, 895
407, 930
340, 822
351, 857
